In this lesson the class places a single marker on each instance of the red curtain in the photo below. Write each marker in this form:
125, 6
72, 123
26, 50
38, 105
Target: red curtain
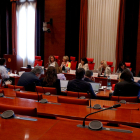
14, 28
120, 33
83, 29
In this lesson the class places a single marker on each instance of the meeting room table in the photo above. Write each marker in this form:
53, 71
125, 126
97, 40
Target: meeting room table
55, 129
126, 114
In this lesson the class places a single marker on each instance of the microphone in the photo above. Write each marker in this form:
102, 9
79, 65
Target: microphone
114, 106
46, 93
36, 91
43, 101
89, 99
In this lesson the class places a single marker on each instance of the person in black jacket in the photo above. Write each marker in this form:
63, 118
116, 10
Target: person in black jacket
31, 79
127, 86
79, 85
50, 79
88, 76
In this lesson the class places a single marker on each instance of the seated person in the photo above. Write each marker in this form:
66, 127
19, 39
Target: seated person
52, 61
104, 69
79, 85
66, 62
60, 75
83, 64
51, 80
88, 76
3, 70
121, 67
31, 79
127, 86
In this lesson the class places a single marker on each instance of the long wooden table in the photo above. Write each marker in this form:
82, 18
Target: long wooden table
68, 130
42, 129
123, 116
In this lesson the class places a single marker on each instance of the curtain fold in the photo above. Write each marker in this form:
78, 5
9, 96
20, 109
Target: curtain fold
26, 32
14, 28
83, 29
120, 33
102, 30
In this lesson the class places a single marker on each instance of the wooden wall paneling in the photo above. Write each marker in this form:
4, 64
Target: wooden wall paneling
54, 42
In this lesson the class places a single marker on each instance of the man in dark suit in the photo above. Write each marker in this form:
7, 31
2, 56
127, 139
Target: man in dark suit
79, 85
31, 79
127, 86
88, 76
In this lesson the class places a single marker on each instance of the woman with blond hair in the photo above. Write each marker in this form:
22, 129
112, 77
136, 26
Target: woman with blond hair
66, 62
104, 69
52, 61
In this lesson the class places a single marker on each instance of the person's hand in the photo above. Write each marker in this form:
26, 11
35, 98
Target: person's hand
8, 73
111, 91
92, 78
101, 66
63, 63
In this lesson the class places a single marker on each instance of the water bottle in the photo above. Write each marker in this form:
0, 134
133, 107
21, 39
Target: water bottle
108, 82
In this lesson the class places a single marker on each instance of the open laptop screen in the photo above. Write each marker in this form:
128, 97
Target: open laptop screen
95, 86
64, 83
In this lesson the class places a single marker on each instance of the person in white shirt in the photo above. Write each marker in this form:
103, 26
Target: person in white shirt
3, 70
52, 61
83, 64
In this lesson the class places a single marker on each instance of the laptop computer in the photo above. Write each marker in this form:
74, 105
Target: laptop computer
95, 87
63, 84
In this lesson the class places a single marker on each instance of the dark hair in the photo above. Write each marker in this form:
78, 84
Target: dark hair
80, 73
50, 58
121, 64
2, 61
89, 73
127, 75
85, 60
50, 76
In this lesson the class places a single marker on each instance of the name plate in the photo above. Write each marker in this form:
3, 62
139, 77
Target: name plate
72, 71
95, 75
113, 77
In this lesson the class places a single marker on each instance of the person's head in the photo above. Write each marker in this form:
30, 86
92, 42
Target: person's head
51, 59
103, 63
65, 58
58, 70
122, 66
89, 74
3, 61
50, 76
84, 61
127, 75
37, 71
80, 73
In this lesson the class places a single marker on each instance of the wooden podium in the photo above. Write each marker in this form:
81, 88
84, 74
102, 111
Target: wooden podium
14, 62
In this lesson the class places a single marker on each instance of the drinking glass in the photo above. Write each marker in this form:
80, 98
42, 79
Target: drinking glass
100, 83
15, 71
105, 87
